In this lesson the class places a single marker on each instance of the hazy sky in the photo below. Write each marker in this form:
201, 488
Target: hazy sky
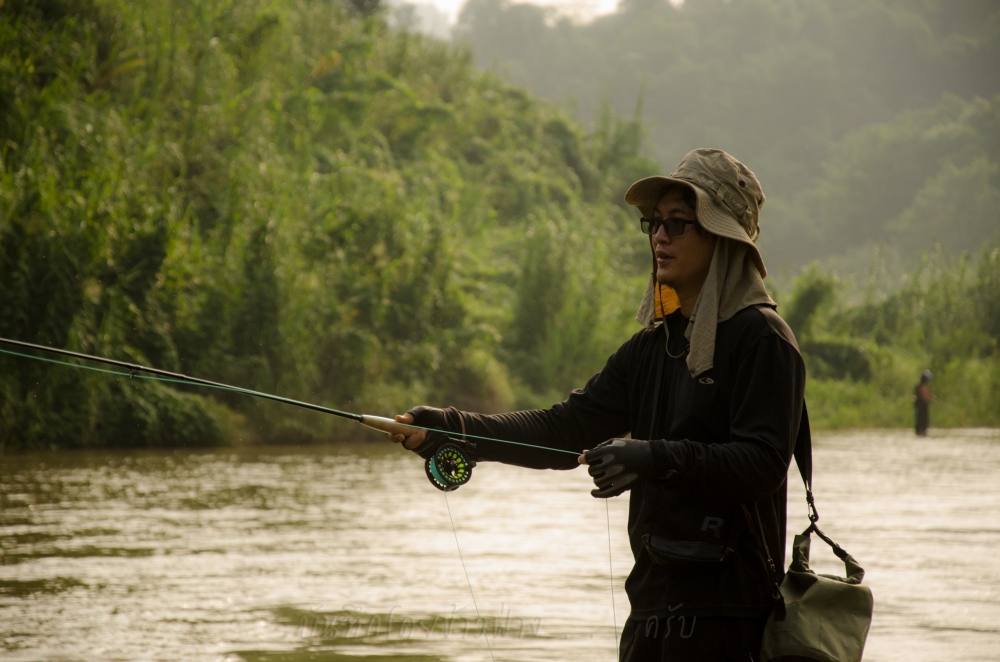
583, 9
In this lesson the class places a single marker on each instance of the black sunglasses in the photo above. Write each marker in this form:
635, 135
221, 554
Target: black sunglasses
675, 227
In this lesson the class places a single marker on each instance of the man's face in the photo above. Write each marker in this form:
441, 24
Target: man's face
682, 261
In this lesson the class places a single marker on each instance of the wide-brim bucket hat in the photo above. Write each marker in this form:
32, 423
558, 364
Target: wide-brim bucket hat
729, 196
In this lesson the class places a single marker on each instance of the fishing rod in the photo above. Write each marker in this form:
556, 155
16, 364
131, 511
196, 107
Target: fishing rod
448, 468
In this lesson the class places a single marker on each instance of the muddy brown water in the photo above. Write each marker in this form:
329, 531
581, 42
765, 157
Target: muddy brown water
346, 552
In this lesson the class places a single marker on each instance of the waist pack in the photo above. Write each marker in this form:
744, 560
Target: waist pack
822, 618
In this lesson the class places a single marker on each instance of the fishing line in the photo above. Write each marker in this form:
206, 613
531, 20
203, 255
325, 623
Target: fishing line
475, 605
611, 576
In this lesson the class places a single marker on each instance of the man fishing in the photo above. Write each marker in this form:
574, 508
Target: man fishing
696, 416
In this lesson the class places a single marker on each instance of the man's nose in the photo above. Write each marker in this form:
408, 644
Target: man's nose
661, 234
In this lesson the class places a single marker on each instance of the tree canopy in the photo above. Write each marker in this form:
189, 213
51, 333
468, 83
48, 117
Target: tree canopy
867, 121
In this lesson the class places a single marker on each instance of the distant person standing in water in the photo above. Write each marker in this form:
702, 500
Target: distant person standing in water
922, 397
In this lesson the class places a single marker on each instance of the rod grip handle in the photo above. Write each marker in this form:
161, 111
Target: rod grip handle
386, 425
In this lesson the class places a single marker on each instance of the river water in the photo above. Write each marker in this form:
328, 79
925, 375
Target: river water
347, 553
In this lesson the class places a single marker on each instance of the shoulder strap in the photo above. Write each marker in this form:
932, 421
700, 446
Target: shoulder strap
803, 459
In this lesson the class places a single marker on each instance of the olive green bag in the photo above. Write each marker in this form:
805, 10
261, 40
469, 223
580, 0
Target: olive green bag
823, 618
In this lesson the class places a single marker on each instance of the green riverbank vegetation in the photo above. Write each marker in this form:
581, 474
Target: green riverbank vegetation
295, 198
864, 359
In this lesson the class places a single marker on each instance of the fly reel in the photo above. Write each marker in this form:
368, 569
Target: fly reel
449, 467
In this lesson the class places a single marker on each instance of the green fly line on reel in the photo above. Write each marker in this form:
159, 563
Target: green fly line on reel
449, 467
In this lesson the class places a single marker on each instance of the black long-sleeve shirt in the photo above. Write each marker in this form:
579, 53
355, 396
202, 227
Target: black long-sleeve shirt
722, 444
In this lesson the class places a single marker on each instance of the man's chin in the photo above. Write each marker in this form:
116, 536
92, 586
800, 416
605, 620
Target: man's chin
664, 277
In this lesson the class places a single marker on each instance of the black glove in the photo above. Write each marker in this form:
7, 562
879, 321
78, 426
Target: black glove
617, 464
430, 417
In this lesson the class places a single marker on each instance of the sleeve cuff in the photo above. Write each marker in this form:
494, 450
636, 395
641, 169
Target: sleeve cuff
668, 462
